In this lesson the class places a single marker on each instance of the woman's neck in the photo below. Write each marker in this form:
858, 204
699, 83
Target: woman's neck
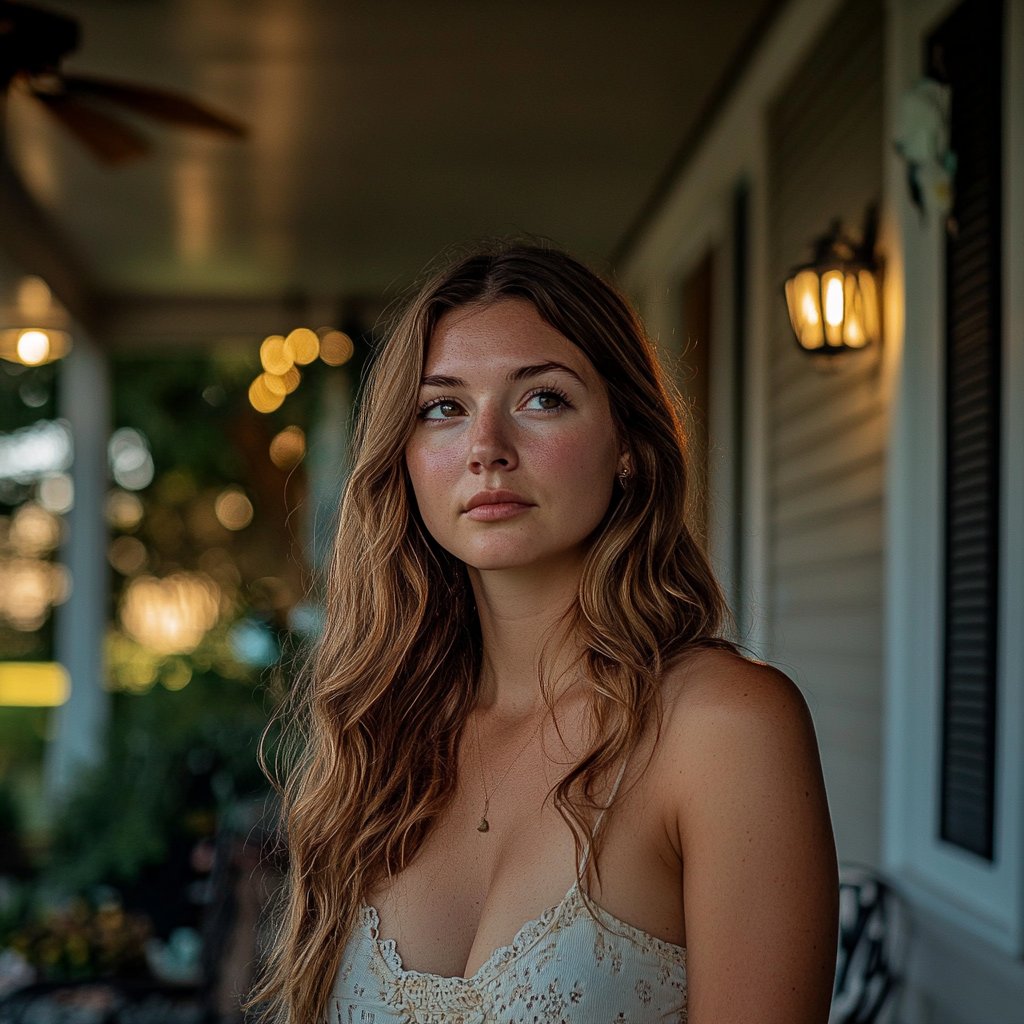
521, 620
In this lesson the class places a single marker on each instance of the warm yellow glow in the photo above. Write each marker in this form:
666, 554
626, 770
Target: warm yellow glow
302, 345
291, 380
124, 510
854, 334
832, 289
274, 355
336, 348
288, 448
34, 531
28, 588
872, 307
34, 298
262, 398
33, 684
127, 555
803, 298
275, 384
172, 615
233, 509
33, 347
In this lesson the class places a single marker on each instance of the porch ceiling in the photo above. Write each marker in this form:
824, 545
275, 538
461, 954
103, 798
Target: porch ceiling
382, 131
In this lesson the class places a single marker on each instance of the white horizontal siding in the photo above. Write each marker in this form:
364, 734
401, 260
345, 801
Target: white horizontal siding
826, 443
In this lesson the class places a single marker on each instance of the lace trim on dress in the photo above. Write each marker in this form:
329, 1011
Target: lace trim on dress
572, 905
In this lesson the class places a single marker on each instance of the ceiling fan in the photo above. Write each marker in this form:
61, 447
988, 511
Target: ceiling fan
33, 42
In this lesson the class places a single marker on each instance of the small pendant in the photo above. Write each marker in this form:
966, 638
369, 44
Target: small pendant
484, 826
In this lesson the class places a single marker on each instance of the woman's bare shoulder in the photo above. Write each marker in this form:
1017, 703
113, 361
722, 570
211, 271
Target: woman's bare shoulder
745, 806
732, 716
712, 682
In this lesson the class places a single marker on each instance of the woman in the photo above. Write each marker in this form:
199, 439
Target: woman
522, 709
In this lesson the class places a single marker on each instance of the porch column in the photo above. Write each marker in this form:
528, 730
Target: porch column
84, 400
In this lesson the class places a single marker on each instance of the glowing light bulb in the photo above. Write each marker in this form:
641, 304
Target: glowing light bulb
834, 301
33, 347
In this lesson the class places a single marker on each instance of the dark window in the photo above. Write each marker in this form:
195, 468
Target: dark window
966, 53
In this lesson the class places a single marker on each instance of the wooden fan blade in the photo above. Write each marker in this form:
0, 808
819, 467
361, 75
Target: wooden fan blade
108, 140
160, 104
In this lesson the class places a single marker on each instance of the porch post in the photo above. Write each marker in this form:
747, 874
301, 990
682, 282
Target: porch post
84, 400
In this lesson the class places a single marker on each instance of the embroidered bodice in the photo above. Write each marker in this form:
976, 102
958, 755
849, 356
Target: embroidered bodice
563, 968
572, 965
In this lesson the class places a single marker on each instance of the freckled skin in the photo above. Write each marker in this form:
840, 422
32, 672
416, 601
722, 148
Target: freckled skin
549, 437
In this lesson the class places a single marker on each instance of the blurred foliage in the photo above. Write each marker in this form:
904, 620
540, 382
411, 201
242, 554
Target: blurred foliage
82, 941
177, 760
186, 407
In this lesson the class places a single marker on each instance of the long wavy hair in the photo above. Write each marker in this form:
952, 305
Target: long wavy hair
374, 724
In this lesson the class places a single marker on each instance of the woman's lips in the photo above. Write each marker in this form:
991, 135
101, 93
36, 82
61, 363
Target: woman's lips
488, 506
499, 510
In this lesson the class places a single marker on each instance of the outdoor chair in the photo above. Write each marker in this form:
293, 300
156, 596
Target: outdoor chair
872, 949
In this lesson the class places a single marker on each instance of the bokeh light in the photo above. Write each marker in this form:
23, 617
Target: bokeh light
274, 356
130, 461
33, 347
127, 555
233, 508
28, 588
302, 345
288, 448
57, 493
336, 348
124, 510
262, 398
38, 684
171, 615
34, 531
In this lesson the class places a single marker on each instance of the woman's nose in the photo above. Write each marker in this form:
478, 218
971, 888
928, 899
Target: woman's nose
491, 444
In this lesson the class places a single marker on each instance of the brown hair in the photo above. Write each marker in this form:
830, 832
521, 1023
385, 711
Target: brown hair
377, 719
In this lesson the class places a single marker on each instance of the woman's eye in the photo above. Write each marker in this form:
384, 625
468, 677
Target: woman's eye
545, 400
442, 410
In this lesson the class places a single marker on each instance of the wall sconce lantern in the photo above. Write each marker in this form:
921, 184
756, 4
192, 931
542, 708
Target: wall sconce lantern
834, 302
33, 330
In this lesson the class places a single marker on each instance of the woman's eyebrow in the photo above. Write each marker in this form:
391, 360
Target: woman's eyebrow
541, 368
437, 380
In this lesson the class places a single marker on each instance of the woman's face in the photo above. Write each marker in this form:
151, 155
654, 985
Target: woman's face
514, 453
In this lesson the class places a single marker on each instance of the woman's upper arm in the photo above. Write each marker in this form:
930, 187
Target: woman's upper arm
760, 882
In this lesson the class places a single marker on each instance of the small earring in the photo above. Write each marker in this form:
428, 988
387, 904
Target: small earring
624, 476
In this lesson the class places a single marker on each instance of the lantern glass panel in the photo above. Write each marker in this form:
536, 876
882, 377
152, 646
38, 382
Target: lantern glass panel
834, 302
854, 331
872, 307
803, 297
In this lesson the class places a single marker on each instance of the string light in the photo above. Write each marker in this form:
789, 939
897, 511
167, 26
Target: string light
288, 448
282, 356
336, 348
233, 509
302, 345
171, 615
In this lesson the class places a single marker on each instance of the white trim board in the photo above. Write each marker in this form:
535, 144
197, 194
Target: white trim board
987, 899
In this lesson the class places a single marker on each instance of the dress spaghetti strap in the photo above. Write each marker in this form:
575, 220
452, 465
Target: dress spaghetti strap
597, 824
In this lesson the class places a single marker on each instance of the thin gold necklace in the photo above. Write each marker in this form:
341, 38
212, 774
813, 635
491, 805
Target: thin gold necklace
485, 825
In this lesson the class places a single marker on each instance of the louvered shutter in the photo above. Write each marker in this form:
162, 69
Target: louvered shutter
966, 52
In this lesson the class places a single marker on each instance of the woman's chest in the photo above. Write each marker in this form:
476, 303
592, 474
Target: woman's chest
468, 892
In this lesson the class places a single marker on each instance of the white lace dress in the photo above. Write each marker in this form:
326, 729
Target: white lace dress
563, 968
572, 965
